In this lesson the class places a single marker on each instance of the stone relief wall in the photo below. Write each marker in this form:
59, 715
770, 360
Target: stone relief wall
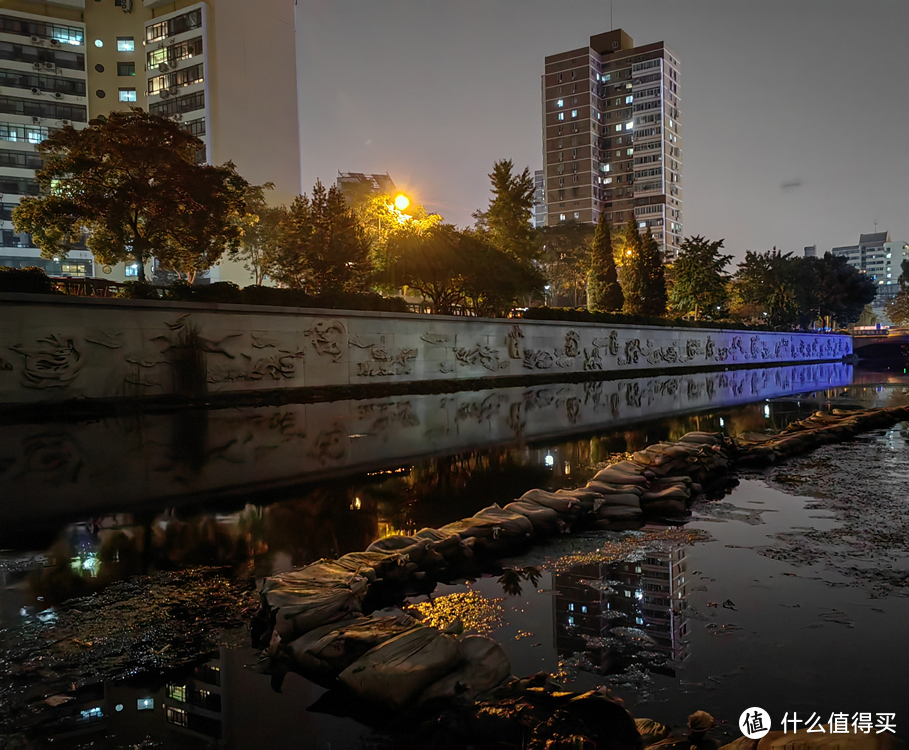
62, 349
78, 468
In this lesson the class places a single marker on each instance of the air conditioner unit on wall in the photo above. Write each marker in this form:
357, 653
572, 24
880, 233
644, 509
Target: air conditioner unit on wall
164, 93
49, 66
36, 40
58, 95
54, 42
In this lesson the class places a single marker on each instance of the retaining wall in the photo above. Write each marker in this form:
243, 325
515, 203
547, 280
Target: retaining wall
56, 348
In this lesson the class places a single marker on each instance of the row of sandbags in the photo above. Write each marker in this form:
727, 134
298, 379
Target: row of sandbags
315, 620
819, 429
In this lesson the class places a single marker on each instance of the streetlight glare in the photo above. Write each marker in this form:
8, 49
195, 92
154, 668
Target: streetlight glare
401, 202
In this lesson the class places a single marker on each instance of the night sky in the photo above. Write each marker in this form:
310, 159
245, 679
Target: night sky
794, 112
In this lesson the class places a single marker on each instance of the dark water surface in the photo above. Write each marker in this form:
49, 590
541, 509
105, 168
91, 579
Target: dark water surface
810, 558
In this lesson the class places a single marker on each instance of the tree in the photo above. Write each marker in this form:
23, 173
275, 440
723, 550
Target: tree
897, 309
457, 268
507, 221
381, 220
132, 183
260, 231
836, 290
699, 277
322, 246
766, 283
564, 258
634, 271
603, 289
654, 297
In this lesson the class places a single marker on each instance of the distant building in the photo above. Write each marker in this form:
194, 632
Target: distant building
877, 256
811, 251
611, 136
358, 184
539, 198
203, 64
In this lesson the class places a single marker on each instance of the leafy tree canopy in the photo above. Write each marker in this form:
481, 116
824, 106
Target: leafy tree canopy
457, 268
699, 278
381, 220
564, 258
897, 309
654, 295
131, 182
634, 271
259, 233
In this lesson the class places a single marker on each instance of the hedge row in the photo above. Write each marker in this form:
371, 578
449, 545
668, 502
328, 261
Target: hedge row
31, 280
226, 292
583, 315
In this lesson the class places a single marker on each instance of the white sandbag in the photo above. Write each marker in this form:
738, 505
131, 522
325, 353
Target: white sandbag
545, 520
301, 610
485, 666
396, 672
611, 475
322, 654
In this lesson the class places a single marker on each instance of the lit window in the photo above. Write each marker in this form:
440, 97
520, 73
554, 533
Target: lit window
561, 115
629, 99
145, 704
574, 113
561, 217
571, 607
618, 128
126, 44
584, 609
571, 621
607, 181
560, 103
99, 43
177, 716
132, 270
577, 215
127, 95
177, 692
629, 151
629, 125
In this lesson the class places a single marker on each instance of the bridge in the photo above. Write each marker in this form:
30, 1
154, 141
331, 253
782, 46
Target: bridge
892, 343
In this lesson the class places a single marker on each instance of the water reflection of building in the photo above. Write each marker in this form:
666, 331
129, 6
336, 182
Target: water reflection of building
184, 713
619, 614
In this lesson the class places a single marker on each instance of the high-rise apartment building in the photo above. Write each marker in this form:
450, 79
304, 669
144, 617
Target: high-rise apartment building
880, 258
611, 136
225, 69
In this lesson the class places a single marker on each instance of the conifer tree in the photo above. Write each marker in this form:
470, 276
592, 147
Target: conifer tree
634, 271
654, 276
603, 289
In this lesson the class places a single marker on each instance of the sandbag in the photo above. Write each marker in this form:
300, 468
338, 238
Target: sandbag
676, 492
606, 489
511, 523
485, 666
565, 506
394, 673
651, 731
390, 543
626, 501
611, 475
545, 521
301, 610
626, 467
322, 654
322, 573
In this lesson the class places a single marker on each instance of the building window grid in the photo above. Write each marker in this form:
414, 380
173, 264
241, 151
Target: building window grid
72, 35
48, 84
186, 77
174, 26
173, 53
15, 133
35, 108
39, 56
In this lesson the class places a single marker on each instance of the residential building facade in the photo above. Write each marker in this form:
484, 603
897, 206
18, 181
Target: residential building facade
612, 137
201, 63
880, 258
539, 198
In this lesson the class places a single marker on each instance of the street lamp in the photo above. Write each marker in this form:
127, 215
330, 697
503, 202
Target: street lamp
401, 201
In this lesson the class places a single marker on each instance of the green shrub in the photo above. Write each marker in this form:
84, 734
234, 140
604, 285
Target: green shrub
582, 315
31, 280
138, 290
225, 292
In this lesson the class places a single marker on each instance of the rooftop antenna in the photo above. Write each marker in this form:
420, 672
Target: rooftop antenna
875, 227
611, 26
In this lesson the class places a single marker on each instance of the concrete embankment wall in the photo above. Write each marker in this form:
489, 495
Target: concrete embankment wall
58, 348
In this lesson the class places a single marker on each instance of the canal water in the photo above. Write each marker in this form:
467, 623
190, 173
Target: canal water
790, 593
